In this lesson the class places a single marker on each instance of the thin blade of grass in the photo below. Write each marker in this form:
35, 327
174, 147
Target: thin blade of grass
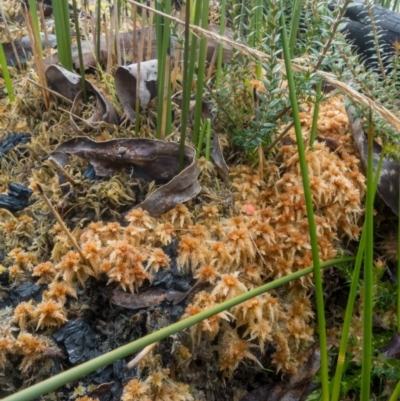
310, 212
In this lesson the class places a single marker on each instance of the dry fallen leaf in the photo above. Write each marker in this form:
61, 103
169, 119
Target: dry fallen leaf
157, 159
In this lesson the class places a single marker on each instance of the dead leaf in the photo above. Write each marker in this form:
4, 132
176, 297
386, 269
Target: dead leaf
296, 388
69, 85
388, 185
216, 154
126, 83
157, 159
148, 298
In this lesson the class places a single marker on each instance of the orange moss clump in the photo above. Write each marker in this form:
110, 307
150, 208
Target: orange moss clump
45, 271
33, 348
50, 314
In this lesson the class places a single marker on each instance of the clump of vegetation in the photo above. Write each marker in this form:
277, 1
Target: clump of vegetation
240, 232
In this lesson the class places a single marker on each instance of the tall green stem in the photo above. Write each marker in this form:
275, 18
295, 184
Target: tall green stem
185, 100
310, 212
6, 74
294, 24
350, 302
368, 272
220, 47
78, 41
90, 366
200, 75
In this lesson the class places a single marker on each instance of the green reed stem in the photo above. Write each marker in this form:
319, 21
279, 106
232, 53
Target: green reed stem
78, 41
6, 74
294, 24
63, 33
398, 267
368, 272
396, 393
85, 368
98, 30
198, 111
255, 30
185, 94
163, 79
188, 79
310, 212
351, 300
35, 19
208, 139
218, 71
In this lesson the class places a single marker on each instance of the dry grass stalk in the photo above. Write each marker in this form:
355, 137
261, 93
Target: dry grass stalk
62, 224
134, 19
44, 28
62, 170
110, 43
50, 91
37, 57
142, 354
297, 65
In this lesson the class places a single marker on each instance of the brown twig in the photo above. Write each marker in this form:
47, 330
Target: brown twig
64, 172
49, 90
37, 56
280, 137
62, 224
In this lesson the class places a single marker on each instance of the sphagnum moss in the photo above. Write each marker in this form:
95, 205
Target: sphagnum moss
260, 235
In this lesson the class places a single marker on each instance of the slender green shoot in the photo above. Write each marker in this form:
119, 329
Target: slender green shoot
34, 13
188, 72
98, 30
398, 268
294, 24
163, 85
63, 33
220, 46
201, 139
185, 94
208, 139
78, 41
85, 368
6, 74
198, 111
314, 127
368, 272
255, 31
350, 302
396, 393
310, 212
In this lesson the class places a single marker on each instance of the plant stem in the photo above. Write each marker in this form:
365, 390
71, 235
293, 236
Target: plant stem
200, 75
6, 74
352, 297
185, 94
310, 212
396, 393
294, 24
368, 272
220, 46
85, 368
78, 41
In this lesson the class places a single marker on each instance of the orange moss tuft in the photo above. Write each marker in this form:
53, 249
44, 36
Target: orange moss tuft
50, 314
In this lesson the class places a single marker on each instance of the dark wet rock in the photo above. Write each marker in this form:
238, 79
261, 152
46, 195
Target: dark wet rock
17, 198
78, 340
12, 140
176, 313
25, 292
